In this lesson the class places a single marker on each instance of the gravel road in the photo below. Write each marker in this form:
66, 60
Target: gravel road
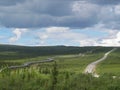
91, 67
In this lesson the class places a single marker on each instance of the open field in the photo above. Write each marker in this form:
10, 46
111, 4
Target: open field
111, 65
65, 73
73, 61
76, 64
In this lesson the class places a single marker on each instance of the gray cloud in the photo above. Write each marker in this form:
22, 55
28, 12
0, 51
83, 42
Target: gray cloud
51, 7
63, 13
105, 2
10, 2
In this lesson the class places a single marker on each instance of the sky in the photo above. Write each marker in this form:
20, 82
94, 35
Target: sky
60, 22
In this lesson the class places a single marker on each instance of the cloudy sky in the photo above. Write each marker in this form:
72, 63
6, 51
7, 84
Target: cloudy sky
60, 22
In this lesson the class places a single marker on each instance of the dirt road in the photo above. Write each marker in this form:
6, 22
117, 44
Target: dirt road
91, 67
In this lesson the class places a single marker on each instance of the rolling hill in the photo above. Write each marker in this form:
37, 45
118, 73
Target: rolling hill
8, 52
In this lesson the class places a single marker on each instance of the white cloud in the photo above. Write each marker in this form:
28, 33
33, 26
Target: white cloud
88, 42
66, 36
1, 37
57, 29
117, 9
51, 32
43, 36
18, 32
70, 36
60, 34
113, 40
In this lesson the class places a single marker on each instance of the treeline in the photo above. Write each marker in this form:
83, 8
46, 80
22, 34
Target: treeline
11, 52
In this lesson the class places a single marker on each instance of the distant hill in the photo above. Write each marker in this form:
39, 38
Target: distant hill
9, 52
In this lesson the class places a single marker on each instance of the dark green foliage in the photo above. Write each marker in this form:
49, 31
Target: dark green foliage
12, 52
37, 79
54, 76
63, 74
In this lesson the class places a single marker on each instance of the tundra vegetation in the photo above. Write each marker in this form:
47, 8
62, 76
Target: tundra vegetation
64, 73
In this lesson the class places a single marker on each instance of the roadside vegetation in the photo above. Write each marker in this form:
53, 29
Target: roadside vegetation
111, 65
65, 73
48, 77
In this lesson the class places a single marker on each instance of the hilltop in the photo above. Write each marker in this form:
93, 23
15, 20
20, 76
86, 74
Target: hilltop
16, 52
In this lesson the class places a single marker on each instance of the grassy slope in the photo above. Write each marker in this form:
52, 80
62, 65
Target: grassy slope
79, 63
12, 55
111, 64
76, 64
11, 52
43, 78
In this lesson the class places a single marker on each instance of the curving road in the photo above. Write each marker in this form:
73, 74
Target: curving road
28, 64
91, 67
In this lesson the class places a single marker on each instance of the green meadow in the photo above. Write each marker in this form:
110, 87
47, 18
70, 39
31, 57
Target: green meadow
64, 73
111, 65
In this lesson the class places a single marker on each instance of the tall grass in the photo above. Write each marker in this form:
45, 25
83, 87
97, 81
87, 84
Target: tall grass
50, 78
63, 74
